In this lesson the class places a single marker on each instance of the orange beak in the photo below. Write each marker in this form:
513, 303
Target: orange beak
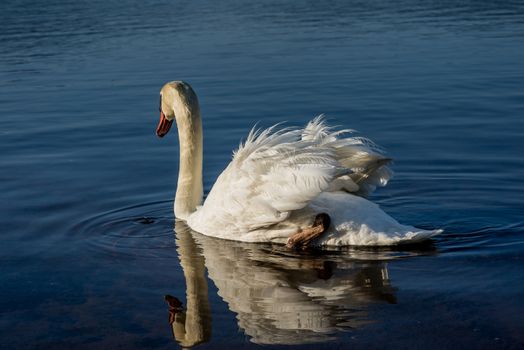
163, 125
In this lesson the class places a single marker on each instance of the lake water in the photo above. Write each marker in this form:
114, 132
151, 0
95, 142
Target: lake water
88, 249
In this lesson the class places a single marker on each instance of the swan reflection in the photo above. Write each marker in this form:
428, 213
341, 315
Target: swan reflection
279, 296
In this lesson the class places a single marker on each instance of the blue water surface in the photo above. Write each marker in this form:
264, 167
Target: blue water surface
87, 246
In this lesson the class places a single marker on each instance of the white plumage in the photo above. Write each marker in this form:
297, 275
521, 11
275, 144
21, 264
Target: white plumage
278, 180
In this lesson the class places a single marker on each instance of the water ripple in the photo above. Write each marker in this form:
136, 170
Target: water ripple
144, 230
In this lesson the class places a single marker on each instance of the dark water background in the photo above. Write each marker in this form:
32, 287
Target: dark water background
87, 247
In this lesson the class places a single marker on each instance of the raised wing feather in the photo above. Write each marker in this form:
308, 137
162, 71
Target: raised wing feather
361, 155
278, 171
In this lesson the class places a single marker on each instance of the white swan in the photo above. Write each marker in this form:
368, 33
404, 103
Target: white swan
279, 180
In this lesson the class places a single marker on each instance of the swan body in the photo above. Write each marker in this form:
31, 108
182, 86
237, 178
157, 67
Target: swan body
278, 180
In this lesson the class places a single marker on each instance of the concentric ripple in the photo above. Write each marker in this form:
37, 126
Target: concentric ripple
144, 230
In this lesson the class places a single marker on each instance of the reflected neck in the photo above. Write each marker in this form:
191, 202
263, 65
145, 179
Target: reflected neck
189, 191
194, 326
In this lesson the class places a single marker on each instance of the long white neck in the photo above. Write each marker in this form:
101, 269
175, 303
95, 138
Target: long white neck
189, 191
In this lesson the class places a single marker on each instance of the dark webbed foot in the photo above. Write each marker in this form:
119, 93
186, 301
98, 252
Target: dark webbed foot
303, 239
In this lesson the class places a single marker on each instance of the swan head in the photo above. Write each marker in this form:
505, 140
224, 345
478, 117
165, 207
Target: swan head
178, 102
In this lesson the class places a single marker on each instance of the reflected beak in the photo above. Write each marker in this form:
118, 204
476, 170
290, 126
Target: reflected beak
163, 125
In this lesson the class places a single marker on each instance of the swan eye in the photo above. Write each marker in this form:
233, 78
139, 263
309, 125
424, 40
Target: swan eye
160, 104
